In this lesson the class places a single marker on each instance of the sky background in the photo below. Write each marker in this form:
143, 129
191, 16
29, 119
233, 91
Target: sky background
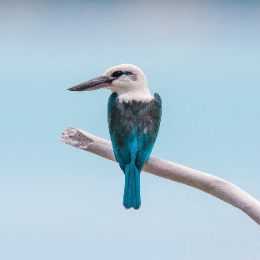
57, 202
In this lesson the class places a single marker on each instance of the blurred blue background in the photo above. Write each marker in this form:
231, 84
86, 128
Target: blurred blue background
57, 202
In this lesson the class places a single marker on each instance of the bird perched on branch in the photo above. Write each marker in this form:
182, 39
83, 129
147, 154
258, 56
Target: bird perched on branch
134, 117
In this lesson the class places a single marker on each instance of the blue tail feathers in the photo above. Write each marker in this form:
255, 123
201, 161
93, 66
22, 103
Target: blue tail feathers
132, 187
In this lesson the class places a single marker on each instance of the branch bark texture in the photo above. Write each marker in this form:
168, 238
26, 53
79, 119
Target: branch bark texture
215, 186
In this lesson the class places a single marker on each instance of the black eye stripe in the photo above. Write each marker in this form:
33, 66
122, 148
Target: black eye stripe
119, 73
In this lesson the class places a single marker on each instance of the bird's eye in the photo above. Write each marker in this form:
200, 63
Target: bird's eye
117, 74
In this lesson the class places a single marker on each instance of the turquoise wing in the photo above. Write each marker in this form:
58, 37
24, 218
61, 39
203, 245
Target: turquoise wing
133, 128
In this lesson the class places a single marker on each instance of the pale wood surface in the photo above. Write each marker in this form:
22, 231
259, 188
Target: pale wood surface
215, 186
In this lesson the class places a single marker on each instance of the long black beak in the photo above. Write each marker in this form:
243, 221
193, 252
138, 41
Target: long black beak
96, 83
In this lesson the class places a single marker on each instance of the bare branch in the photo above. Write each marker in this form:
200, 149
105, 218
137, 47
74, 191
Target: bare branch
215, 186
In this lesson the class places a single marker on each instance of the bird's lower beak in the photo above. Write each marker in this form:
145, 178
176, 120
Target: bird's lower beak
96, 83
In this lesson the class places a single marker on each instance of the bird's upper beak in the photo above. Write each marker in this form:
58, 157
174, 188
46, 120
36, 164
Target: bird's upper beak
96, 83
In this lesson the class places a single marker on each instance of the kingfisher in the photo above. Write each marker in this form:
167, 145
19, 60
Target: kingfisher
134, 117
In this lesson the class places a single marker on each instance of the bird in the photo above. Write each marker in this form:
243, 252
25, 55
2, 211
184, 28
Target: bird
134, 117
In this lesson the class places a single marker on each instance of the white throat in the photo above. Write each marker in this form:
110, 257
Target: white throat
134, 95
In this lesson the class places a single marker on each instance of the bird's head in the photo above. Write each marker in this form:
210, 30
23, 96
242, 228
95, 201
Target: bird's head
127, 80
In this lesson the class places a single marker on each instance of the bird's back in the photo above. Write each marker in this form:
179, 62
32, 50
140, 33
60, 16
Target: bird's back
133, 128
